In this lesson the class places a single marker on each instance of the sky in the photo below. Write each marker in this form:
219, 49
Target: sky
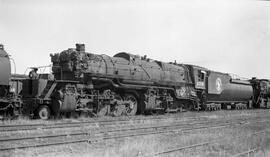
231, 36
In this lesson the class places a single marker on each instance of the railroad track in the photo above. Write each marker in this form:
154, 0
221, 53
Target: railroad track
80, 124
199, 120
94, 122
181, 148
247, 152
40, 141
27, 127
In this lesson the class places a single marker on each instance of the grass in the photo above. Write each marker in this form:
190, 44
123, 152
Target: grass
154, 143
129, 147
183, 115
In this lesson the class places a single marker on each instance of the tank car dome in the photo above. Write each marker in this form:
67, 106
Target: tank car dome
5, 69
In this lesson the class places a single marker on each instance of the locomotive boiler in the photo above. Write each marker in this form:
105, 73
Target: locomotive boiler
123, 84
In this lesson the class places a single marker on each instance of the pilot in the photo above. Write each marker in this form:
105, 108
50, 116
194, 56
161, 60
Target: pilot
33, 73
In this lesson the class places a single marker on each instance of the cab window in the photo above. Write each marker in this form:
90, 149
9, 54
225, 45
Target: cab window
201, 75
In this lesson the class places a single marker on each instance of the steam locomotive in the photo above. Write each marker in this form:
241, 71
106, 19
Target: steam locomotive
128, 84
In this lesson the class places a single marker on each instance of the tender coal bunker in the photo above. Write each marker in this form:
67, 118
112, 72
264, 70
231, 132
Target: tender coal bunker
5, 68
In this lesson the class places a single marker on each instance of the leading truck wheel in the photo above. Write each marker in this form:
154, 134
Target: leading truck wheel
131, 105
44, 112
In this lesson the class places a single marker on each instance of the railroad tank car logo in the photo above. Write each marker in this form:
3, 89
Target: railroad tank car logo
218, 84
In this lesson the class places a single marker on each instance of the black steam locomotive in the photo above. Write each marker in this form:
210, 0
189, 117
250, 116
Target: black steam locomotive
127, 84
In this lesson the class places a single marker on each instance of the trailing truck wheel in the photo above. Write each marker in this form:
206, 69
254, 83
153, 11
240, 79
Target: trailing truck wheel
44, 112
132, 105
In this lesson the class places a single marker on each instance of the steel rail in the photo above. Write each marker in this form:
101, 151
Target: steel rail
94, 139
112, 130
21, 127
172, 150
176, 123
127, 118
106, 123
246, 152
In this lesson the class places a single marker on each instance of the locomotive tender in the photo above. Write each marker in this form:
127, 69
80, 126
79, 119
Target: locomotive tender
10, 103
127, 84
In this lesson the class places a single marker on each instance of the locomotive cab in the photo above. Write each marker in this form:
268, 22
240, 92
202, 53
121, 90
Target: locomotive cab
198, 76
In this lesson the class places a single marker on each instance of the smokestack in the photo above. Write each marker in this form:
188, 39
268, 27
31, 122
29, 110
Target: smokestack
80, 47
